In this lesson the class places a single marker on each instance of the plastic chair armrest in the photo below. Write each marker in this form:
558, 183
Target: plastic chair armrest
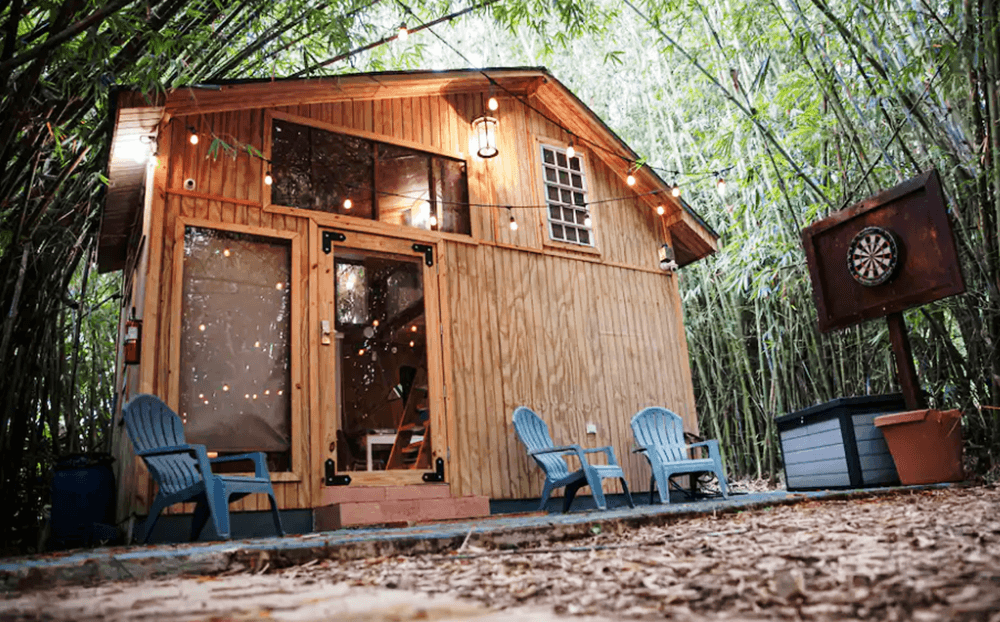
610, 453
166, 451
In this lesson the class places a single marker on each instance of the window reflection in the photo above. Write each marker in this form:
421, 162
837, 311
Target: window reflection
235, 343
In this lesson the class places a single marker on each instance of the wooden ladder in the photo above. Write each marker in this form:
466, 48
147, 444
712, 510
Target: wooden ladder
412, 449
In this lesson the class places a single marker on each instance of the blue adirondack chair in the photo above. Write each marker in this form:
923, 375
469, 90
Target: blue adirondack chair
183, 472
660, 436
534, 433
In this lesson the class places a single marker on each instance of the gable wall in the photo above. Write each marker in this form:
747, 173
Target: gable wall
529, 324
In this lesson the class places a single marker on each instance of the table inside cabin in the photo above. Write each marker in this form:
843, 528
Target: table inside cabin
377, 437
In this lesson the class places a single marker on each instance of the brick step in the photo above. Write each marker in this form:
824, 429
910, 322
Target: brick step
364, 494
338, 515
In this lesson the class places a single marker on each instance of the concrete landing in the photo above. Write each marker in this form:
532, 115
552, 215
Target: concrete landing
497, 531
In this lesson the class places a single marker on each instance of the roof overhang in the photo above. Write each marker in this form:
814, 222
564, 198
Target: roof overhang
137, 118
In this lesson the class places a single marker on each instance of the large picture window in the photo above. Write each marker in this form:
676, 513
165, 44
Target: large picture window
566, 197
327, 171
236, 343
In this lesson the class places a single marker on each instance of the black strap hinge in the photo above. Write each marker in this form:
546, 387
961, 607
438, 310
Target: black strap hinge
329, 237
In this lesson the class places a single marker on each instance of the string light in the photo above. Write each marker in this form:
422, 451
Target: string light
513, 221
268, 180
630, 180
193, 138
660, 210
676, 190
348, 204
720, 184
587, 222
493, 104
433, 220
570, 151
403, 32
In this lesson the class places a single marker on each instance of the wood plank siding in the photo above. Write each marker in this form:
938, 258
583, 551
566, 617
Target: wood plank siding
580, 335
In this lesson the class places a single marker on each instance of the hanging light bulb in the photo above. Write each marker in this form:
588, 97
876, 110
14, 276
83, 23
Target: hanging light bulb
720, 185
587, 222
660, 210
676, 190
433, 220
570, 151
348, 204
493, 104
402, 33
630, 180
513, 221
193, 138
268, 180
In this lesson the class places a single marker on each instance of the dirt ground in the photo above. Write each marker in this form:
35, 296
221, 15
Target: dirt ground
930, 555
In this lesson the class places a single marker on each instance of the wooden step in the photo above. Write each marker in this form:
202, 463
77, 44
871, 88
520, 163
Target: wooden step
394, 511
364, 494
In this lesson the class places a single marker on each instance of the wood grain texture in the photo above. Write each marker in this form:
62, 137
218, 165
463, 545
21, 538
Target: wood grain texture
580, 335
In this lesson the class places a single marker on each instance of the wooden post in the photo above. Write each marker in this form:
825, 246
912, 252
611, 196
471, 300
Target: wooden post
906, 373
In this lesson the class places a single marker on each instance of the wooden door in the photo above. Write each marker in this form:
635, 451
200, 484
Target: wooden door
381, 409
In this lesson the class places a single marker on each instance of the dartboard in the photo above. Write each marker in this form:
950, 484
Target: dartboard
873, 256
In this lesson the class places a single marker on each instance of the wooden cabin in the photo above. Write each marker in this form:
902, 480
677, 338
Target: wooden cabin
326, 270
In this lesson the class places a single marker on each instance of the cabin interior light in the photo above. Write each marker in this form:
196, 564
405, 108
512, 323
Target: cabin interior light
485, 130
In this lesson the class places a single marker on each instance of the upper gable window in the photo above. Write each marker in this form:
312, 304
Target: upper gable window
327, 171
566, 197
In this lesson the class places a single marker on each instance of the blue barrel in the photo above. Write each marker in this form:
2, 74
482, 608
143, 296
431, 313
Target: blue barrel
83, 501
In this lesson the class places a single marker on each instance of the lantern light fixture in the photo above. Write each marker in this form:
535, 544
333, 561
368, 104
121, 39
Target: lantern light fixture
485, 130
667, 258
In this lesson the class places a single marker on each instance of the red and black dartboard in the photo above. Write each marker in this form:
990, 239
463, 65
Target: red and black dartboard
873, 256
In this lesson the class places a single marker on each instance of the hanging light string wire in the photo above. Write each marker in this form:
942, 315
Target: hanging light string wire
634, 161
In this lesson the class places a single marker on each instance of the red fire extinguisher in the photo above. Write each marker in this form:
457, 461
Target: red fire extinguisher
133, 341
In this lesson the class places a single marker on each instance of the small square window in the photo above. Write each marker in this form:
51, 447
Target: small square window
566, 192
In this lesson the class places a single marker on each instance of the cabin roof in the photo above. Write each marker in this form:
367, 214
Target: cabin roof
137, 115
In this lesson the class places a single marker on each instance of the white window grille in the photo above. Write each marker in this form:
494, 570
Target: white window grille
566, 197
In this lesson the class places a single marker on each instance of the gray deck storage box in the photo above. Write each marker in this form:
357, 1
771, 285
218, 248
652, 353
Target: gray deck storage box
836, 444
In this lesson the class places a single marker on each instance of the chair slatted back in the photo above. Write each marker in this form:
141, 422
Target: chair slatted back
659, 428
534, 433
152, 425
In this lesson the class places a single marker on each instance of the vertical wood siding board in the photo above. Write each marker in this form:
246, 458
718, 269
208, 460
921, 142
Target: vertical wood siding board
466, 412
517, 358
426, 122
498, 459
494, 389
499, 172
640, 362
623, 405
661, 375
397, 117
337, 113
311, 479
446, 124
497, 265
253, 216
524, 174
685, 368
377, 116
459, 340
508, 316
445, 439
248, 127
537, 376
478, 176
407, 118
484, 439
610, 232
664, 290
553, 371
359, 115
326, 419
434, 115
300, 347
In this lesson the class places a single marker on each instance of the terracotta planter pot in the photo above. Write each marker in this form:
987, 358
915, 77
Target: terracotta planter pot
926, 445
